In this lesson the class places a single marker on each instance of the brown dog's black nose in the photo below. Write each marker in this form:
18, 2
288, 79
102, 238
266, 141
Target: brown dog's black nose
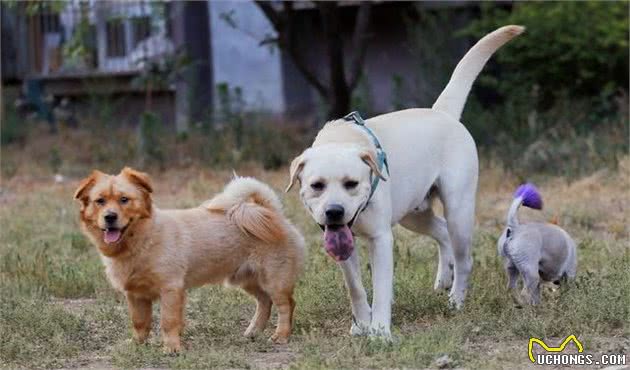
334, 214
110, 218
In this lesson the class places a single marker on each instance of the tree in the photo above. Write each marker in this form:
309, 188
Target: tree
569, 47
335, 88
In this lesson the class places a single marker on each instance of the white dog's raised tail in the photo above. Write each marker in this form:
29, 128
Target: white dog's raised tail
254, 207
453, 98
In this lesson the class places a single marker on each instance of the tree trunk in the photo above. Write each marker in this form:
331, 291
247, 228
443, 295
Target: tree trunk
336, 91
339, 91
339, 103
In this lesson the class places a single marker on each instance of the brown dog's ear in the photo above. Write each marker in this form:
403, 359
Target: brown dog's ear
85, 185
294, 171
369, 157
139, 178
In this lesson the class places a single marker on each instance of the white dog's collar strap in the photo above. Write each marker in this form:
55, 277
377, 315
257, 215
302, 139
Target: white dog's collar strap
381, 156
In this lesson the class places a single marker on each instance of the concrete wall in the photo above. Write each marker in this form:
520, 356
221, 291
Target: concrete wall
239, 60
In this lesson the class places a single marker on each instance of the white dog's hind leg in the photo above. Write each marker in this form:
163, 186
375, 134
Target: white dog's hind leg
360, 307
460, 219
382, 261
429, 224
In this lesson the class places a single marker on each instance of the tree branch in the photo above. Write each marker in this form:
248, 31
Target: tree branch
359, 43
272, 15
282, 22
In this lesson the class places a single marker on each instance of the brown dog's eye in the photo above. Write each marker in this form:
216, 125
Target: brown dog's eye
100, 201
318, 186
124, 200
350, 184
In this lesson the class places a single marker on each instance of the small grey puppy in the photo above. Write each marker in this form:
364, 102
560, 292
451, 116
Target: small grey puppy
538, 251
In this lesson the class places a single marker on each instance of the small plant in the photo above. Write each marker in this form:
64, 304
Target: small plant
54, 160
12, 128
150, 146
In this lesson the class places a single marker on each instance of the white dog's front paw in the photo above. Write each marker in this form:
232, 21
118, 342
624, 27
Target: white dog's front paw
456, 299
380, 333
359, 327
443, 283
444, 278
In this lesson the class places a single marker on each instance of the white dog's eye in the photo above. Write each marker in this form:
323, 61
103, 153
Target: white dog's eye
100, 201
318, 186
124, 200
350, 184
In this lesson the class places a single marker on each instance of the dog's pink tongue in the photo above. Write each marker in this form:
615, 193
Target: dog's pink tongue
338, 242
111, 236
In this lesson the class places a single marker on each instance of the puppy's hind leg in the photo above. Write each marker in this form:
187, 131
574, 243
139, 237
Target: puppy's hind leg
285, 305
512, 273
263, 309
531, 285
429, 224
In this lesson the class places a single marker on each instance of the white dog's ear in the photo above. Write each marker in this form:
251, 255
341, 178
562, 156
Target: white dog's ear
294, 171
369, 157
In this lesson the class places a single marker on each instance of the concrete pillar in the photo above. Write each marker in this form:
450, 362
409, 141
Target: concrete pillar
190, 26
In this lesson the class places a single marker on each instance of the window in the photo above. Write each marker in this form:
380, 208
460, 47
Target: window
116, 45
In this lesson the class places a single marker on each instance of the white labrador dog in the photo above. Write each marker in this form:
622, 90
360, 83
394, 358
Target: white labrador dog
429, 153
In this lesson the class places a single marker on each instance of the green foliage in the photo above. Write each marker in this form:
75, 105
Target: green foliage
231, 110
397, 92
77, 51
54, 160
12, 128
150, 143
431, 46
560, 94
581, 47
361, 99
573, 137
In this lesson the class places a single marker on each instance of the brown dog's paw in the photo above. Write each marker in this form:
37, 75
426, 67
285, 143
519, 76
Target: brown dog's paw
250, 334
279, 339
172, 348
140, 337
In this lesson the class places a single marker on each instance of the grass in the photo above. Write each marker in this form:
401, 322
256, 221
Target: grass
57, 309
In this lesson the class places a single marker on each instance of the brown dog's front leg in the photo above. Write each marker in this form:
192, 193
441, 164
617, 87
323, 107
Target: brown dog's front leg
140, 312
172, 317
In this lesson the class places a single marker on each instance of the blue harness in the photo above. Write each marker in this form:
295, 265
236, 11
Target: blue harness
381, 156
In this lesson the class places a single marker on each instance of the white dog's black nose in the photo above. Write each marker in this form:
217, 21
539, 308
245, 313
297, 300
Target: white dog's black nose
110, 218
334, 213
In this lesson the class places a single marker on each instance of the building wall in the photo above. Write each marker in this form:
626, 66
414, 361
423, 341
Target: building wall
240, 61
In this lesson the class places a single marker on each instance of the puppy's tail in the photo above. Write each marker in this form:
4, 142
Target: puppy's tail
527, 195
253, 207
453, 98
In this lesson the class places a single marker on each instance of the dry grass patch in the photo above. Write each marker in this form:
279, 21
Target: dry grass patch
58, 310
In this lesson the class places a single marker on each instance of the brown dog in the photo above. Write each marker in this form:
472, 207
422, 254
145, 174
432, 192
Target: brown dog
240, 237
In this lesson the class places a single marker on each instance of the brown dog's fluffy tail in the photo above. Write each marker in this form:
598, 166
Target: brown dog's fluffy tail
253, 207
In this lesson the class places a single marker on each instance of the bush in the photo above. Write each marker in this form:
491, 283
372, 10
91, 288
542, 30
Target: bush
580, 47
560, 92
13, 129
150, 144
